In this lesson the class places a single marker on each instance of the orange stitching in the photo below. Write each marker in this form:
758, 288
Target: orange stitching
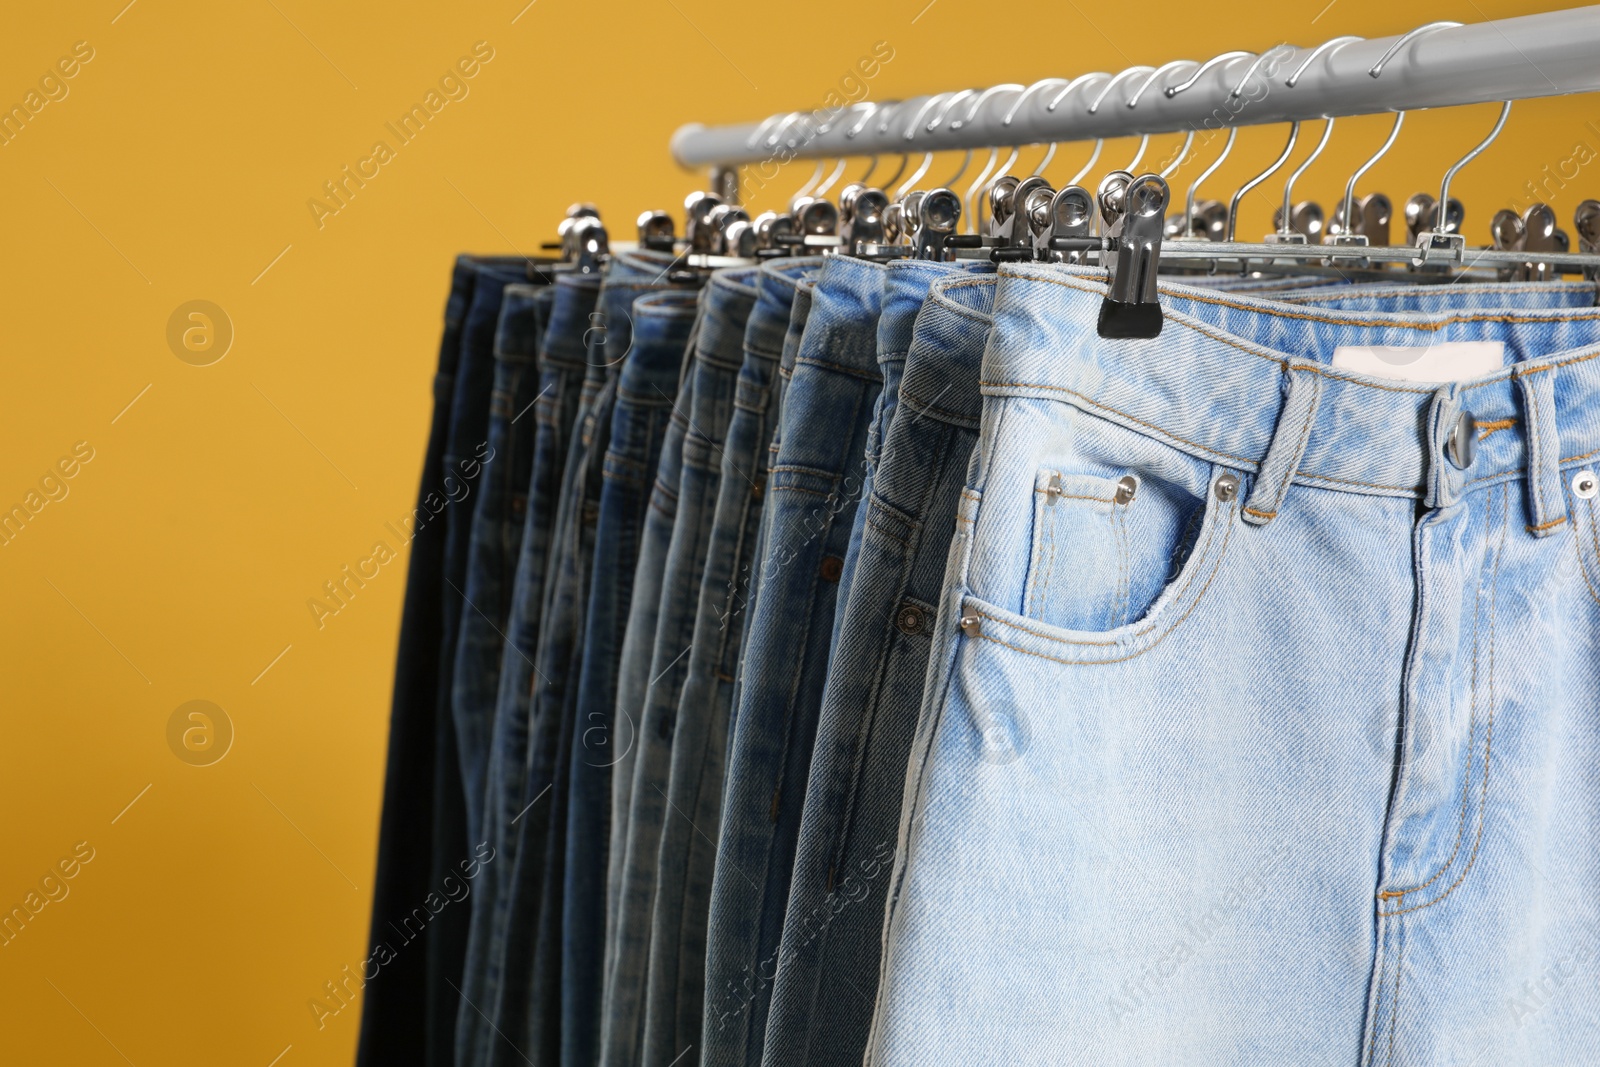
1078, 496
1485, 429
1488, 745
1552, 524
1260, 514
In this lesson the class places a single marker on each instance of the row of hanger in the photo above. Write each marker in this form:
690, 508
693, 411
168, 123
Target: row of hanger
1124, 225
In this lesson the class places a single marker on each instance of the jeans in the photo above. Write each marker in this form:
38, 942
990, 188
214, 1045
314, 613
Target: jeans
812, 496
527, 1010
395, 1022
498, 518
1259, 710
799, 313
725, 305
465, 450
699, 741
645, 392
1458, 296
827, 960
561, 361
904, 289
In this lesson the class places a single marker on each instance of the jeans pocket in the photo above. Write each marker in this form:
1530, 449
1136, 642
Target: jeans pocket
1105, 549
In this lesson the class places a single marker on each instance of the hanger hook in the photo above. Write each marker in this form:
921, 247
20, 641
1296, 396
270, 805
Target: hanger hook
983, 199
872, 165
1432, 27
983, 98
1173, 90
1071, 85
933, 123
1350, 186
805, 190
1238, 90
783, 127
1233, 205
873, 109
1112, 84
1177, 161
1133, 101
1099, 143
965, 163
1144, 143
994, 156
1044, 160
1444, 187
838, 171
1336, 44
766, 124
1188, 200
1016, 105
1288, 186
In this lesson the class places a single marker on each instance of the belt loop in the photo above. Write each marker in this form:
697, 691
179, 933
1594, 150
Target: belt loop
1303, 389
1547, 500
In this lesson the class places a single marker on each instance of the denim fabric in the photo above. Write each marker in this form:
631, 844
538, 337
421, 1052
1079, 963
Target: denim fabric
1291, 773
527, 1013
498, 519
699, 742
827, 960
725, 305
562, 362
645, 392
465, 449
813, 492
905, 287
394, 1015
799, 312
1457, 296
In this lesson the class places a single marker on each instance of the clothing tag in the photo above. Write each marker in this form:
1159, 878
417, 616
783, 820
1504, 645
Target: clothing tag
1448, 361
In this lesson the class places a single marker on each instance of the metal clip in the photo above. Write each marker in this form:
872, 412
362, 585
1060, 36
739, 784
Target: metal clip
589, 238
1137, 207
1071, 231
697, 207
937, 216
656, 231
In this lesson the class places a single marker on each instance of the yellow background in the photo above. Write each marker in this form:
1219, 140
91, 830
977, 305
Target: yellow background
179, 167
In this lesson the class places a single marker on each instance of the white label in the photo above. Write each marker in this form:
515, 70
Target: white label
1448, 361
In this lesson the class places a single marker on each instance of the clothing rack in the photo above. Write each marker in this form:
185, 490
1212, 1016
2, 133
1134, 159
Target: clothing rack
1438, 65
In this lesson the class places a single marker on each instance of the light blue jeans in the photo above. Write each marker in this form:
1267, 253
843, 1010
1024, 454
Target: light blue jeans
1259, 724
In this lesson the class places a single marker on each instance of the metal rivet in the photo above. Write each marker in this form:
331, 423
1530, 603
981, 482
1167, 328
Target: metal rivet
909, 620
1052, 491
1127, 486
832, 568
970, 625
1226, 488
1585, 485
1462, 445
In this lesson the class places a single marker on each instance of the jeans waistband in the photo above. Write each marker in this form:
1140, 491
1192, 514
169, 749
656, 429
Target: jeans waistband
946, 351
523, 311
662, 323
564, 339
842, 325
725, 309
1247, 383
905, 285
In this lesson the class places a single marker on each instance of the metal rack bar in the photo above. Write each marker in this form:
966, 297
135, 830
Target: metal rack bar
1548, 54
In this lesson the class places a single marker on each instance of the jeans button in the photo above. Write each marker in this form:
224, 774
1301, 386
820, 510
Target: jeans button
909, 620
1462, 446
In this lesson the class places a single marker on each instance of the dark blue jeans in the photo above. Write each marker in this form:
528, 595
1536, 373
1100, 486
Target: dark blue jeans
497, 524
645, 393
699, 743
629, 277
726, 305
812, 496
394, 1013
561, 361
905, 288
799, 311
465, 450
827, 966
526, 1010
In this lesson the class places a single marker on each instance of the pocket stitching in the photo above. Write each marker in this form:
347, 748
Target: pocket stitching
1214, 568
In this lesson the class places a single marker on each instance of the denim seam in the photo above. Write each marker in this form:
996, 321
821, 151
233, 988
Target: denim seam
1399, 970
963, 419
1095, 404
1488, 745
1161, 636
937, 291
841, 368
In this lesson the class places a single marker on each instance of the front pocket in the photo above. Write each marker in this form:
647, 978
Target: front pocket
1105, 548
